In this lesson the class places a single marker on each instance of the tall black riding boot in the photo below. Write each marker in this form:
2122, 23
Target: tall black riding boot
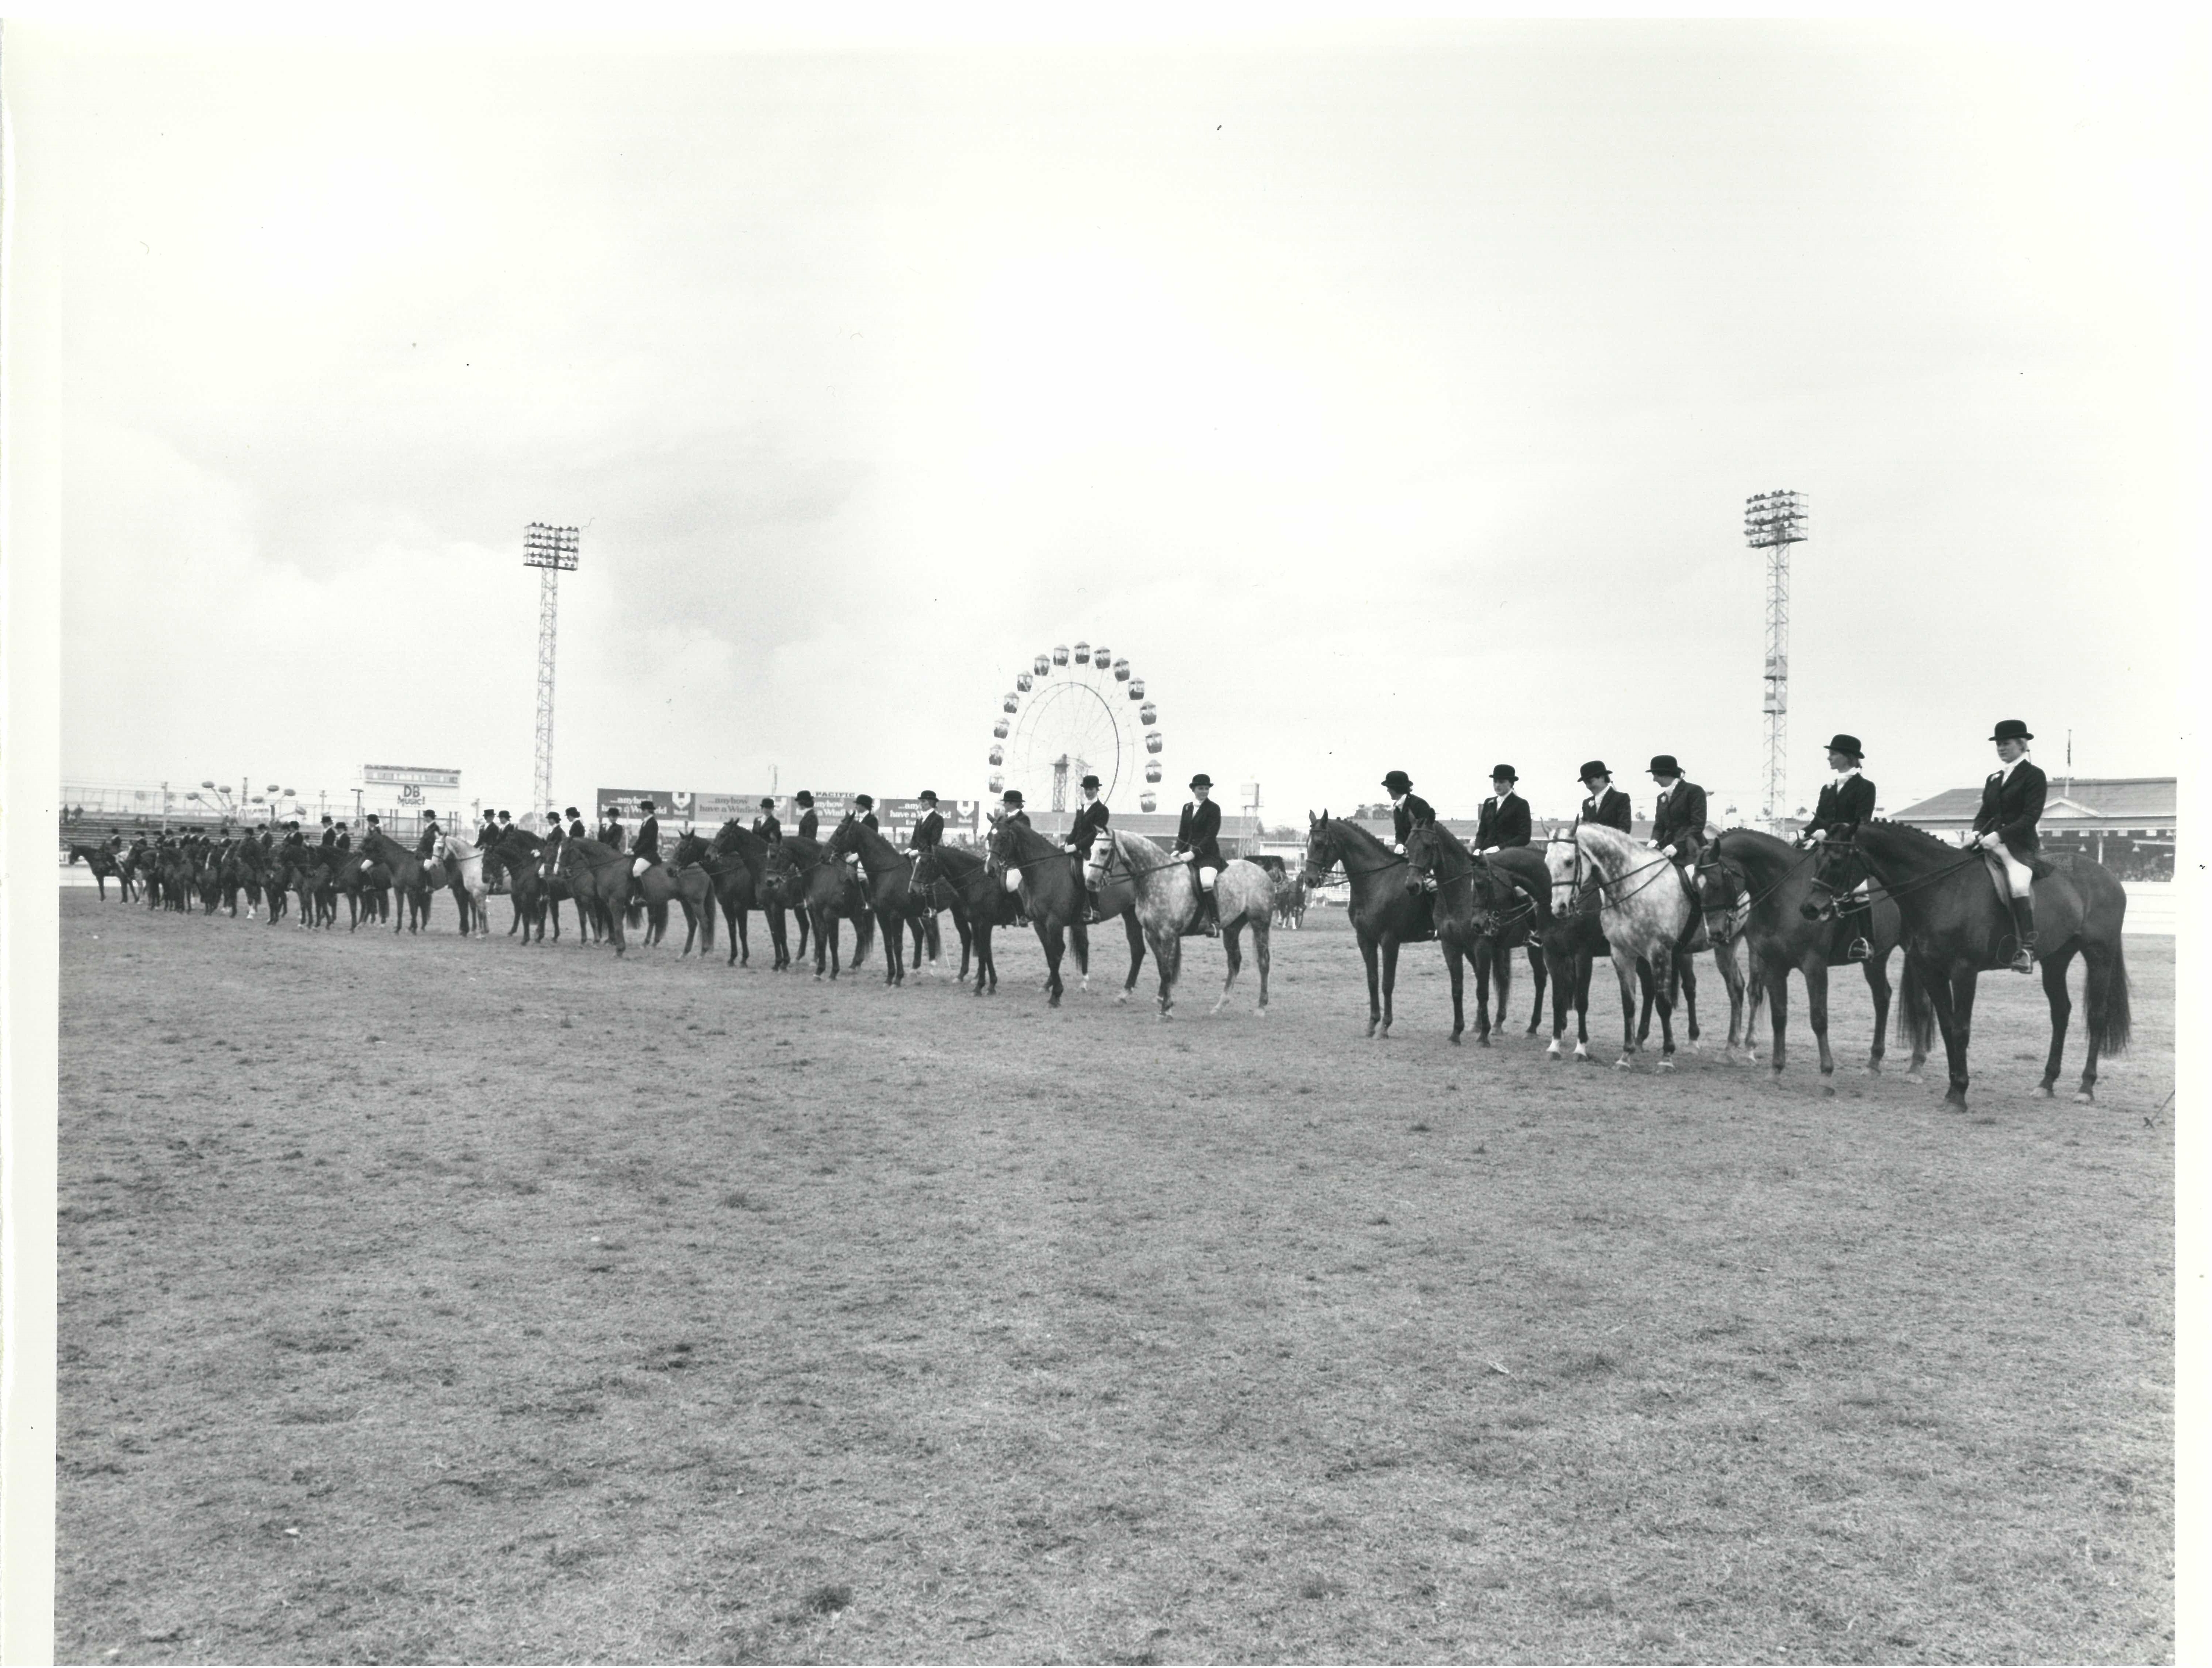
1209, 919
2023, 928
1859, 925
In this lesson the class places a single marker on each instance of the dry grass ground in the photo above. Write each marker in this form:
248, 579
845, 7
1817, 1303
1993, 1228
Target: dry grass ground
425, 1300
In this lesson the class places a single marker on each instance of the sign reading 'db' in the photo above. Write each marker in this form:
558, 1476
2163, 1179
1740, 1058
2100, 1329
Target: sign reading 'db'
420, 776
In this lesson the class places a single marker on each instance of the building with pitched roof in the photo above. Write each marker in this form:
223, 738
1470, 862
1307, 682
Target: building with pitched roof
2127, 823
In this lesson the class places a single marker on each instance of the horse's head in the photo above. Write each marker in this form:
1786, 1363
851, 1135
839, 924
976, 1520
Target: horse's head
846, 836
690, 848
1563, 862
1424, 847
1000, 846
1723, 892
1098, 862
1321, 849
1837, 869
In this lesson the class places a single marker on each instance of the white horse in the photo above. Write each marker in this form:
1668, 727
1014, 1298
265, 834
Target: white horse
471, 890
1167, 905
1647, 912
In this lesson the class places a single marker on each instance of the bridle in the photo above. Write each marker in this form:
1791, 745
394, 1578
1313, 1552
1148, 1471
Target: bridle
1823, 885
1316, 874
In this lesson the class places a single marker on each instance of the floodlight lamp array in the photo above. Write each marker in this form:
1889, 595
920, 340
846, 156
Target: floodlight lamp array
1774, 518
544, 546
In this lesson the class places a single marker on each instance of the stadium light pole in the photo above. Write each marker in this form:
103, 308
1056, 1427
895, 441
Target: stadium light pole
1773, 521
553, 550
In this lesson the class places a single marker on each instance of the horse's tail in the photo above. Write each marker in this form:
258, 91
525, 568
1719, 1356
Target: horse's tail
2108, 1018
1915, 1011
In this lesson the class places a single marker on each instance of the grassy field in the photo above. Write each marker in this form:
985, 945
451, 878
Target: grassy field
432, 1300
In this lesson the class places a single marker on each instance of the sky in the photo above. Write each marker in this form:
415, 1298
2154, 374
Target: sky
1389, 398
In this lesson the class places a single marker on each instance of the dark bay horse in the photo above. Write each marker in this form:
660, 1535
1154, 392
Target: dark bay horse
978, 901
688, 885
803, 872
412, 878
101, 861
1743, 874
1956, 928
1385, 912
1487, 907
736, 864
598, 880
889, 886
515, 858
1050, 887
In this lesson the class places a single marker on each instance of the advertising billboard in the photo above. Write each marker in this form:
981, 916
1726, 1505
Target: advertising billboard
413, 776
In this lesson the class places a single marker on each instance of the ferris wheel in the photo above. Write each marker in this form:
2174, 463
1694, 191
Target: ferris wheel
1074, 712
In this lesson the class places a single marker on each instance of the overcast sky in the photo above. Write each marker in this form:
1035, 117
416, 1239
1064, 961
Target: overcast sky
1389, 400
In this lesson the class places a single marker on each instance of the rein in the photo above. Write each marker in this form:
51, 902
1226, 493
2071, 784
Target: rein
1972, 856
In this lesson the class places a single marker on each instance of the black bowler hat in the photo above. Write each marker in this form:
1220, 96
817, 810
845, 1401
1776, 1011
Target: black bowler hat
504, 817
927, 797
372, 817
2011, 730
572, 811
1089, 782
1505, 772
863, 802
768, 804
1847, 745
326, 822
1663, 764
1201, 781
1012, 797
1398, 782
1594, 768
805, 799
645, 804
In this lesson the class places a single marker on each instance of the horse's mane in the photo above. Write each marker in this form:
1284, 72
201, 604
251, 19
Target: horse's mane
1929, 845
1359, 836
959, 860
1609, 839
1755, 843
1037, 845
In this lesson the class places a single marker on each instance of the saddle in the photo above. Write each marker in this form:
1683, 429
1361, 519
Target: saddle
2037, 868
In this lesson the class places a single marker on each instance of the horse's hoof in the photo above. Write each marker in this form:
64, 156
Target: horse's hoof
1871, 1069
1665, 1065
2045, 1092
1622, 1065
2086, 1098
1456, 1042
1552, 1053
1122, 998
1261, 1011
1914, 1077
1827, 1088
1580, 1053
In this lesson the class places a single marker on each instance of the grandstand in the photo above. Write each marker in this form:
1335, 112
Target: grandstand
2128, 823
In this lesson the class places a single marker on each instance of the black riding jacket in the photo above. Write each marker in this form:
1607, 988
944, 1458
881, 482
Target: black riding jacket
1199, 832
1613, 810
1844, 805
2011, 806
1505, 823
1090, 823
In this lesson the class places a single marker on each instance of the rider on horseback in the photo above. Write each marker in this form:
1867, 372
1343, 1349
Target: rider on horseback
1504, 820
1678, 818
2012, 802
1845, 802
424, 847
808, 821
929, 833
1198, 837
1010, 811
645, 850
1606, 804
766, 825
1089, 821
1406, 808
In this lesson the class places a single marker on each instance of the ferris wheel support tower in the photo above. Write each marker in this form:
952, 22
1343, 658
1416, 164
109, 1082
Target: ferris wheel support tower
553, 550
1773, 521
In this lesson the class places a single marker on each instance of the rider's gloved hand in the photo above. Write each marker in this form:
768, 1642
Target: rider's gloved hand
1398, 848
1667, 851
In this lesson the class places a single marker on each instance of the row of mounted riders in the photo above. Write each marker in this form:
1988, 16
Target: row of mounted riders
1855, 888
1020, 877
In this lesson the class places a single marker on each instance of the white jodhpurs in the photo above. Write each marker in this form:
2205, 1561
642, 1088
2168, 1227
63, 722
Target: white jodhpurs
641, 865
1013, 880
1205, 879
2018, 875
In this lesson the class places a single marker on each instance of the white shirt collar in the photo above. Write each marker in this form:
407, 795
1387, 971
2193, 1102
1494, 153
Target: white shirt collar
1846, 774
2005, 772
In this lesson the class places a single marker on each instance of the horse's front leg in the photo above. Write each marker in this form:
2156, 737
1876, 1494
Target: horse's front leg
1455, 966
1389, 979
1965, 981
1815, 967
1230, 932
1370, 951
1877, 979
1136, 952
1625, 970
1054, 938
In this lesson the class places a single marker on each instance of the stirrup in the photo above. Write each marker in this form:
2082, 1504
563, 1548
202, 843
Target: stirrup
1859, 950
2023, 956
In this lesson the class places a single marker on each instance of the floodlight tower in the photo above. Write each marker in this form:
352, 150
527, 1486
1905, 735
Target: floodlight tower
1773, 521
553, 549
